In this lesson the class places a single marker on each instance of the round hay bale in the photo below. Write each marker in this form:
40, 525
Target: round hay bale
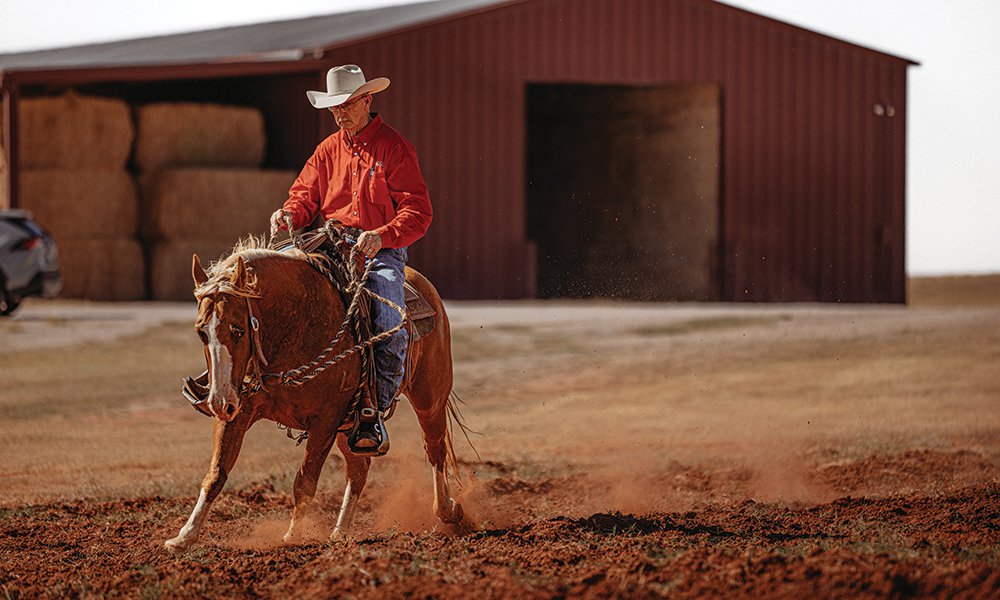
212, 203
170, 265
81, 204
73, 131
102, 269
178, 134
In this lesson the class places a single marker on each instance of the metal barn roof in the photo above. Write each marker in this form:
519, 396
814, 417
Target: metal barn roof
290, 40
278, 40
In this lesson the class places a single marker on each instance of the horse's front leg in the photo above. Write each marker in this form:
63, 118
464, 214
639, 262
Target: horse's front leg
356, 468
317, 449
228, 438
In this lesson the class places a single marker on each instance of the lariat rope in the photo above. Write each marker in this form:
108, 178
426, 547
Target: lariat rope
355, 287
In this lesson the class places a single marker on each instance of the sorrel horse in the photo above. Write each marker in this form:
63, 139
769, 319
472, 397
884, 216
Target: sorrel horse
298, 312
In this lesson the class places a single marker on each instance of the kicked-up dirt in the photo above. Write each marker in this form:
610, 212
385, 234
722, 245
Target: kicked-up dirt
626, 450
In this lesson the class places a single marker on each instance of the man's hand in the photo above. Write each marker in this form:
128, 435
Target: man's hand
278, 221
369, 243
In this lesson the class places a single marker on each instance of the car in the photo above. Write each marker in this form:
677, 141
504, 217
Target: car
29, 261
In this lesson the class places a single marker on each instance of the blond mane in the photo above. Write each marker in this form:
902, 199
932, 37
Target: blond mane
220, 272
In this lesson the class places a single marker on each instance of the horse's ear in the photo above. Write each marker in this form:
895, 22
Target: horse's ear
197, 272
239, 278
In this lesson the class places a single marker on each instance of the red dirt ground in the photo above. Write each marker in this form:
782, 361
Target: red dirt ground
630, 451
901, 546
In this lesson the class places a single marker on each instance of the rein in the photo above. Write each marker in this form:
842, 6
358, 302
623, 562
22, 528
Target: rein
255, 377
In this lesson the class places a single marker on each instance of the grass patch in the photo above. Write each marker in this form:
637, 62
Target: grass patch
962, 290
710, 324
17, 512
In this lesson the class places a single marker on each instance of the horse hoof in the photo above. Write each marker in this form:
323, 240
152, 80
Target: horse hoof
291, 539
338, 537
453, 516
177, 544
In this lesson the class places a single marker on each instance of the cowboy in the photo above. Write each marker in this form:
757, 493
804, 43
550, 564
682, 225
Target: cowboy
366, 176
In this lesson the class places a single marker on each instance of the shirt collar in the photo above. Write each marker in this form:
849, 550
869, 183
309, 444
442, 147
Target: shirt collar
366, 135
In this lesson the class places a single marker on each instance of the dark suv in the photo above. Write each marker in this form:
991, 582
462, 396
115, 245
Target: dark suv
28, 260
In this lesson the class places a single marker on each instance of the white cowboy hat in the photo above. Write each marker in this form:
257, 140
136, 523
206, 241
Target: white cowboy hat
344, 83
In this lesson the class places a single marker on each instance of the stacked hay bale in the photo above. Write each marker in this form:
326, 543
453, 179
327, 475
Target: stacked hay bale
201, 186
204, 211
72, 153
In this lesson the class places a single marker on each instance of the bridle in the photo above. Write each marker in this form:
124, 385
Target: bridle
253, 377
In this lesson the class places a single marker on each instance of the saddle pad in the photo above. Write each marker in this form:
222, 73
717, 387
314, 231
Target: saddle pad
420, 312
416, 306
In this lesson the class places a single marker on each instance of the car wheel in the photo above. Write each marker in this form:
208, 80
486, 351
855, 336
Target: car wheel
8, 304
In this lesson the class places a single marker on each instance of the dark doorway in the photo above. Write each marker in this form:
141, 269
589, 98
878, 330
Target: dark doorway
623, 190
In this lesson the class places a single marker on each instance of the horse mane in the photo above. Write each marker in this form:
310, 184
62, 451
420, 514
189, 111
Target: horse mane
220, 272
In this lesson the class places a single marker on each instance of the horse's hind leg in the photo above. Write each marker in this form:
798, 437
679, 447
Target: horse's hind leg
356, 469
228, 439
317, 448
433, 417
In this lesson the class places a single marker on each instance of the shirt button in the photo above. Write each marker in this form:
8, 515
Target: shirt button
355, 193
355, 213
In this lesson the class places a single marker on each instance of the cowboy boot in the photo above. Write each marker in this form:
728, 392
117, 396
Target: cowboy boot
368, 436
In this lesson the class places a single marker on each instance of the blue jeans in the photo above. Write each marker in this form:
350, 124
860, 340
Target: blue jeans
386, 280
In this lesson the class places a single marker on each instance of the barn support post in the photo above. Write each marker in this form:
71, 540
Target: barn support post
10, 96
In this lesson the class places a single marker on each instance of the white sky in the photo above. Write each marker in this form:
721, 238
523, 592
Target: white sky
953, 191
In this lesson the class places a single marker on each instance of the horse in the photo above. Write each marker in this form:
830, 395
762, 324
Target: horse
259, 307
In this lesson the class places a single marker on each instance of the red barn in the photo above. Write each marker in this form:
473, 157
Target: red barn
648, 149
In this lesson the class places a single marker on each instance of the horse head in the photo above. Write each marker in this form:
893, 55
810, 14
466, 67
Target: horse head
225, 326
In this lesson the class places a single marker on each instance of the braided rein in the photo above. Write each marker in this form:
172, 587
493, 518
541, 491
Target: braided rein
356, 287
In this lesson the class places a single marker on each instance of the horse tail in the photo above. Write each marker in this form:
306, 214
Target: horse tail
455, 418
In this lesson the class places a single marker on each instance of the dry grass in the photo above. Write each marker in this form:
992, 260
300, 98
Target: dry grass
965, 290
757, 398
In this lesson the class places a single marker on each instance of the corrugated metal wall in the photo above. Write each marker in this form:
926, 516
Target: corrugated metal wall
813, 178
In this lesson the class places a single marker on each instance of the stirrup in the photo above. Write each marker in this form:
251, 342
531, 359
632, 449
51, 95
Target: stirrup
369, 427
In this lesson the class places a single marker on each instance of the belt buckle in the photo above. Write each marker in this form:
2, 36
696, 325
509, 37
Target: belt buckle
353, 233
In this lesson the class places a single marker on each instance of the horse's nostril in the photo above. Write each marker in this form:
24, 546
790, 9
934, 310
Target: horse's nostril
230, 409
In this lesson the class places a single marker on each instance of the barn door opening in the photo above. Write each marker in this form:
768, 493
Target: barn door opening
623, 190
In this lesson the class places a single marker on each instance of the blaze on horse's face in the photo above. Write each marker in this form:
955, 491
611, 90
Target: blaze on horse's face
222, 327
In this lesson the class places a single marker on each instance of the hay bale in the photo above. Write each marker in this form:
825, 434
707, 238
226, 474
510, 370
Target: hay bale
75, 132
102, 269
212, 203
179, 134
170, 265
81, 204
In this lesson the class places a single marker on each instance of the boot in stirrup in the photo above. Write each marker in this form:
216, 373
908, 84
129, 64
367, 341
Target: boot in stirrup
369, 436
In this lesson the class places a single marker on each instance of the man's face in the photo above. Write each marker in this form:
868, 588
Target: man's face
351, 116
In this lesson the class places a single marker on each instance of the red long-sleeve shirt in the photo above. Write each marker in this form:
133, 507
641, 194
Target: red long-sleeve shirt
373, 183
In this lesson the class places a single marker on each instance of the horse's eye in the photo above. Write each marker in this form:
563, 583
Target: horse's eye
237, 332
